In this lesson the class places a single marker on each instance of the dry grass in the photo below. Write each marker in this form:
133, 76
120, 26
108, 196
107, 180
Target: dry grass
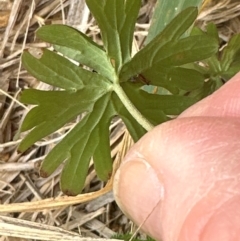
33, 208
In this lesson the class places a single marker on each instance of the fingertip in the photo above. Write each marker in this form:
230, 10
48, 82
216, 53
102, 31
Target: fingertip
138, 192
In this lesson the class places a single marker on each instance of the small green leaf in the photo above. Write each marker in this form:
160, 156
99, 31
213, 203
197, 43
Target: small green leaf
101, 96
230, 52
164, 12
77, 46
233, 69
116, 19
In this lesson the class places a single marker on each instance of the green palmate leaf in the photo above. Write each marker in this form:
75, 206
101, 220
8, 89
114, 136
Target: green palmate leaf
77, 46
231, 52
116, 19
90, 138
164, 12
174, 53
103, 95
83, 92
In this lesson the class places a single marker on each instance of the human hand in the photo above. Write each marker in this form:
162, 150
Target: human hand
182, 179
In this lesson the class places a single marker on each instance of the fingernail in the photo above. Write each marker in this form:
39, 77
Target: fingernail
138, 190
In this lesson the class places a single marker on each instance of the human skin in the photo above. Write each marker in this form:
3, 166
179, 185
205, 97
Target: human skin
181, 181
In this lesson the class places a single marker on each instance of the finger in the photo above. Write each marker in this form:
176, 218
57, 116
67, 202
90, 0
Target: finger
189, 169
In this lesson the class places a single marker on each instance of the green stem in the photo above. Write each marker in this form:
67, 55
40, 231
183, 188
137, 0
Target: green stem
131, 108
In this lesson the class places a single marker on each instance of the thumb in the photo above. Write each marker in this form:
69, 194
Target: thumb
182, 178
186, 175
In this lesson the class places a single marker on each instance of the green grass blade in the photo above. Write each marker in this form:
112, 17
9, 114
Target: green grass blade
165, 11
175, 29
